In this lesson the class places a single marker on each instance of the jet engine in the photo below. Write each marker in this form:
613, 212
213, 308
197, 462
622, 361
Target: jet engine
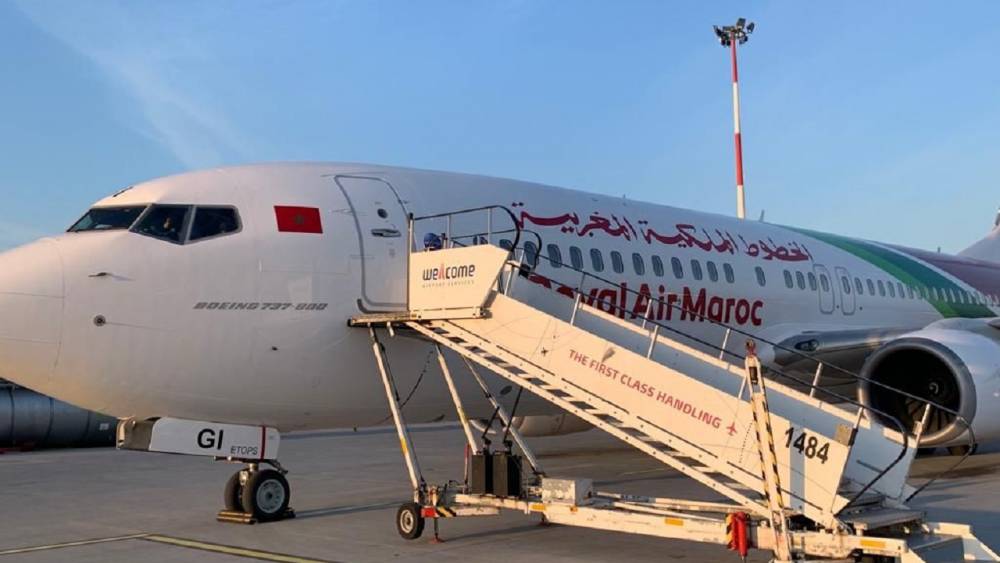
549, 425
32, 420
954, 363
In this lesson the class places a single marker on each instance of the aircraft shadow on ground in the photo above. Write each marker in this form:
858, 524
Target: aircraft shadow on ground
341, 510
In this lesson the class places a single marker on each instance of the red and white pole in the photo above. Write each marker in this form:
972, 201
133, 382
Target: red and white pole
740, 196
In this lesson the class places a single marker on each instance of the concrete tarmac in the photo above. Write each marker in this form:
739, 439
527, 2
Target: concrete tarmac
107, 505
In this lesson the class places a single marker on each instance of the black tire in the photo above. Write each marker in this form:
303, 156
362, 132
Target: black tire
265, 495
232, 494
409, 522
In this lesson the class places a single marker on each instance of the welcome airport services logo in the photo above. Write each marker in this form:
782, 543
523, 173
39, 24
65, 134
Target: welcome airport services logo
449, 276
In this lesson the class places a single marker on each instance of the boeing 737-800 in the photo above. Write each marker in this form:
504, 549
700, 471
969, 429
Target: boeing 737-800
221, 296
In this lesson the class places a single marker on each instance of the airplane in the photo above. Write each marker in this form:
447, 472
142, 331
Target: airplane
213, 304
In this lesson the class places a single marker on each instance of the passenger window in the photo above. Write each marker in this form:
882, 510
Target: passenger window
899, 287
576, 257
824, 282
871, 287
881, 288
951, 295
788, 279
638, 263
677, 267
165, 222
845, 284
761, 280
860, 289
892, 290
213, 222
812, 281
107, 219
696, 270
713, 271
657, 266
616, 262
800, 280
530, 253
596, 260
728, 271
555, 256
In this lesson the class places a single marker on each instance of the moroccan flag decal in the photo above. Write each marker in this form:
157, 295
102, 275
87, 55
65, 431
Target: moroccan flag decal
292, 219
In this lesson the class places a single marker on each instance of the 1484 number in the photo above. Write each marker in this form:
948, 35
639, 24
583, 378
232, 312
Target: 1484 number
807, 444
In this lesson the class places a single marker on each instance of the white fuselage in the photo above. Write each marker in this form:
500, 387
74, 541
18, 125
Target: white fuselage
251, 327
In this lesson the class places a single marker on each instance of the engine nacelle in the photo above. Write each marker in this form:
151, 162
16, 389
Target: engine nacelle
955, 363
549, 425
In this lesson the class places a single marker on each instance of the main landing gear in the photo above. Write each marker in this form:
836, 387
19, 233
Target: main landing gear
254, 495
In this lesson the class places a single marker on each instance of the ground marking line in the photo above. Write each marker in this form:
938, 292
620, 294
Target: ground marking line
63, 545
229, 550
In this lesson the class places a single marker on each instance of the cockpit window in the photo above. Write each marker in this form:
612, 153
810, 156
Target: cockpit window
107, 219
212, 222
165, 222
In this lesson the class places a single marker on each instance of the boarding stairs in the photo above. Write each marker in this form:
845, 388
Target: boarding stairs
815, 478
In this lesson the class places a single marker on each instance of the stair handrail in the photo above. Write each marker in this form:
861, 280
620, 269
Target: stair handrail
489, 209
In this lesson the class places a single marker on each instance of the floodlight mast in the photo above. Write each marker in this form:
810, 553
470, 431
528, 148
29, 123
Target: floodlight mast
730, 36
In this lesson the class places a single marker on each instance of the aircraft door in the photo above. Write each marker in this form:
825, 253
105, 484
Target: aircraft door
380, 219
847, 297
826, 288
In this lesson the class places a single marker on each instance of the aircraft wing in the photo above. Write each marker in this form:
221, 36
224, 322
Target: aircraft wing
847, 348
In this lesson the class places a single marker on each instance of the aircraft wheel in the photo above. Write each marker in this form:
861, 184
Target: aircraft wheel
232, 494
409, 522
265, 495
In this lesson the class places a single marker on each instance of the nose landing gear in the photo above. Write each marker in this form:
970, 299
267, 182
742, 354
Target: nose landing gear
255, 495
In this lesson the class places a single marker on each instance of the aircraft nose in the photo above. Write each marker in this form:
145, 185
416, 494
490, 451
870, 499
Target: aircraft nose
31, 304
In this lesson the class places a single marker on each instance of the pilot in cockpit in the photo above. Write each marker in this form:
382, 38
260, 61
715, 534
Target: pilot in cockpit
169, 229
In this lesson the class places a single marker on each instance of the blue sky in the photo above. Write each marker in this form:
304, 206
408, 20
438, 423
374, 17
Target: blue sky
874, 119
